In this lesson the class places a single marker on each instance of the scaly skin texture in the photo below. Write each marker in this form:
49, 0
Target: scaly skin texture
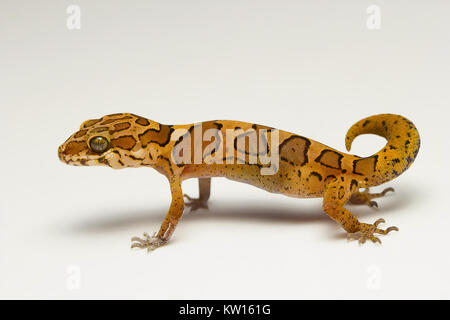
306, 168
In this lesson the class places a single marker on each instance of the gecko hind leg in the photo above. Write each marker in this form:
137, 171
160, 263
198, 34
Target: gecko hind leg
336, 195
367, 231
366, 198
204, 190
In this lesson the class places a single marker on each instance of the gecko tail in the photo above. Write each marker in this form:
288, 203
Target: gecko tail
403, 143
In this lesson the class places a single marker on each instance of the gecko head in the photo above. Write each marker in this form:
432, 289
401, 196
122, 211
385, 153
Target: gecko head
113, 140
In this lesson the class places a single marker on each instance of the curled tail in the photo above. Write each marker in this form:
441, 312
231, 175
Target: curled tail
401, 149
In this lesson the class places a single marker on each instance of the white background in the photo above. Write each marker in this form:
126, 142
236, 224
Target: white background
309, 67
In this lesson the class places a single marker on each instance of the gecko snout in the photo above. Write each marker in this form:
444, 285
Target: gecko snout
61, 153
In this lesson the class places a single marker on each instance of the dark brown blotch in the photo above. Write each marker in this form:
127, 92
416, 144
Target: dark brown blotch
330, 159
161, 136
120, 127
295, 150
75, 147
365, 166
142, 122
124, 142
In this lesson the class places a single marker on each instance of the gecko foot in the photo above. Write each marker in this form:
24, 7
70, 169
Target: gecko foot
195, 203
366, 232
366, 198
151, 243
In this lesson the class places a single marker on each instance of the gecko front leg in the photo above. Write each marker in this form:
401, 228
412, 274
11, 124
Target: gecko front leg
204, 191
337, 193
169, 223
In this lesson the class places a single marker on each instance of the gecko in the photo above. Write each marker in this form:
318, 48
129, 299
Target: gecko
274, 160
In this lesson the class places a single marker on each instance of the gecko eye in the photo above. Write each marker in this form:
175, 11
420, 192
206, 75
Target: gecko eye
99, 144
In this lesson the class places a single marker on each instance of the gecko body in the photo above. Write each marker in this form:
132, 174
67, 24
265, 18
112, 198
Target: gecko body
270, 159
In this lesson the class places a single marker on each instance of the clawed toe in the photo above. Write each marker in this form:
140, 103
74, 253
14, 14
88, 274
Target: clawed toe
367, 232
362, 237
151, 243
373, 204
387, 190
376, 223
386, 231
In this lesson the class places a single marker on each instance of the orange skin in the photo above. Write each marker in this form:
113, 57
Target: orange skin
306, 168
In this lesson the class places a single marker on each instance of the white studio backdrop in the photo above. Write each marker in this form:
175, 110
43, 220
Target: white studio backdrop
308, 67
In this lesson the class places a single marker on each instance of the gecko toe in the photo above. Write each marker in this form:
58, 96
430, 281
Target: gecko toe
147, 242
390, 189
137, 239
187, 197
387, 230
195, 204
367, 231
375, 239
376, 223
373, 204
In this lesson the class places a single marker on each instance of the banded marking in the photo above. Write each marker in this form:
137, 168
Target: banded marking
365, 166
316, 174
330, 159
168, 162
160, 136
